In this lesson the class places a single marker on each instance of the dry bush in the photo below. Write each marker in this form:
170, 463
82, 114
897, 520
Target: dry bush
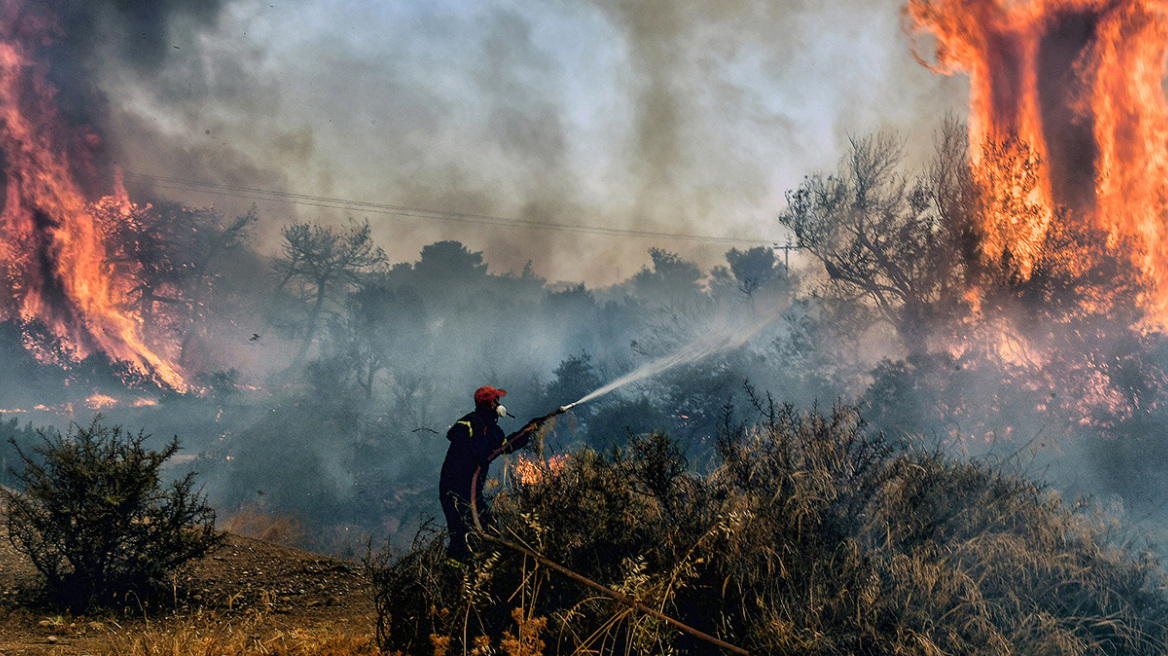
413, 593
809, 537
263, 522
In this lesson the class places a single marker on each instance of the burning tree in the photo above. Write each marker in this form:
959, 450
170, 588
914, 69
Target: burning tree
1078, 84
56, 252
1053, 327
175, 257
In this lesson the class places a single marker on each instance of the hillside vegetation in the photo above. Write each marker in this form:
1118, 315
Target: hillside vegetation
806, 536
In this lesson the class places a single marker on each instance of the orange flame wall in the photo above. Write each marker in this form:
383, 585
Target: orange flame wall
1080, 82
54, 254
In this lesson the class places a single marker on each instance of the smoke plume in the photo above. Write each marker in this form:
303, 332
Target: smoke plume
666, 117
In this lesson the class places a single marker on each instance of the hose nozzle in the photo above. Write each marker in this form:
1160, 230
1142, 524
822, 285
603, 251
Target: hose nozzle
565, 408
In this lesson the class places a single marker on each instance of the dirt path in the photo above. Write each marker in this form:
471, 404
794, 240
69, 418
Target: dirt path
246, 584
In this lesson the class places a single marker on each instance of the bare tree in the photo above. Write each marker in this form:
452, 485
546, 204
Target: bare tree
319, 267
884, 238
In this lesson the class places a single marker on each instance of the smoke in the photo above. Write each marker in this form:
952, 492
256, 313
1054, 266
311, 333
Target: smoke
668, 117
716, 339
139, 34
86, 39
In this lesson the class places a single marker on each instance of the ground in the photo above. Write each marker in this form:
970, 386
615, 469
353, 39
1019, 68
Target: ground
248, 585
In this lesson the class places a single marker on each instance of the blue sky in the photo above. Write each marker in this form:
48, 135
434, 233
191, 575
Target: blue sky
656, 115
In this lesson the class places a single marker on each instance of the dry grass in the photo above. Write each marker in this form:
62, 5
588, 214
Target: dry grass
261, 522
219, 636
808, 538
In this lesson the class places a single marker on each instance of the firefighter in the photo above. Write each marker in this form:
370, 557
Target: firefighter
475, 440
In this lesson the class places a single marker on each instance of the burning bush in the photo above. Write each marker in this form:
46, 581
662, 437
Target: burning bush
94, 520
809, 536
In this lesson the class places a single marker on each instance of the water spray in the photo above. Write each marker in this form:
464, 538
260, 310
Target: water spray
699, 349
707, 345
710, 344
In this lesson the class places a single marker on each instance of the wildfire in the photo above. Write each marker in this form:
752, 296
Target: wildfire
530, 471
1077, 84
55, 252
97, 401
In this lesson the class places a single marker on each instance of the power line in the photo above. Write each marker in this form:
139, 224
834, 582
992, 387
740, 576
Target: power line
254, 193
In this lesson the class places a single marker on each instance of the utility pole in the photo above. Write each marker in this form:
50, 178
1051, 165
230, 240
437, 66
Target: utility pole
786, 248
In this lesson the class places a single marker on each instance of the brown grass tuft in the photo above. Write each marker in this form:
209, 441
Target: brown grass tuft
215, 636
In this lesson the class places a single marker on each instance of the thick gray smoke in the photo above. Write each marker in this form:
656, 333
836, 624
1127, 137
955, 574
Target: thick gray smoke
331, 407
671, 117
141, 34
89, 40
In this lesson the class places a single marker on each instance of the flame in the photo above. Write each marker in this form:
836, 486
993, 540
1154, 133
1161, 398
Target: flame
1067, 100
55, 250
531, 471
97, 401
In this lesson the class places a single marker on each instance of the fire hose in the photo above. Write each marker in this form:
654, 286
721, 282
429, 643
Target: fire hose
622, 598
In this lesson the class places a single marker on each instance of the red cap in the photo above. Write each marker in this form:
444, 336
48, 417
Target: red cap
486, 394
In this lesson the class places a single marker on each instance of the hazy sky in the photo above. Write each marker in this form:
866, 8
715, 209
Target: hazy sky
653, 115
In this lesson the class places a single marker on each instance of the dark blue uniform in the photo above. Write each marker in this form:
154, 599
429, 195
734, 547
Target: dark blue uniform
473, 439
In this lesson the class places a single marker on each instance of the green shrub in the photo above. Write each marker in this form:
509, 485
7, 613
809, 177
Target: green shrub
808, 536
95, 521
